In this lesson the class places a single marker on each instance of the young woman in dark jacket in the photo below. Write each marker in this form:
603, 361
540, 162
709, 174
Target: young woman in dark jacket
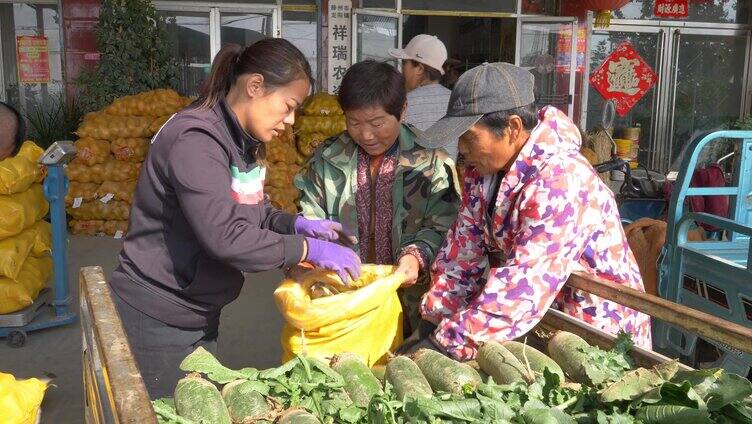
200, 219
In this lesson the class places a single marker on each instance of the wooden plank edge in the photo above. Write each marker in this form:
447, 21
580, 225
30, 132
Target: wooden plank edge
129, 395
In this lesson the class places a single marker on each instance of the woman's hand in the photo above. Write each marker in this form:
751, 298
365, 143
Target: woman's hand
333, 257
324, 229
410, 266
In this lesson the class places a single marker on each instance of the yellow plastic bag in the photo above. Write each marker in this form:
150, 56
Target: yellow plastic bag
21, 210
18, 173
20, 399
36, 241
365, 320
16, 294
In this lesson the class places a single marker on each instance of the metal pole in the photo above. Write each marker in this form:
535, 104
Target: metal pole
55, 188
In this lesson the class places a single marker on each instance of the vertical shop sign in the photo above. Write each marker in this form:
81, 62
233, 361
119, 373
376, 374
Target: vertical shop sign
33, 59
339, 53
673, 9
623, 77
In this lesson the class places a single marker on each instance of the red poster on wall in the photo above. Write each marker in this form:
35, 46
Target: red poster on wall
33, 59
674, 9
623, 77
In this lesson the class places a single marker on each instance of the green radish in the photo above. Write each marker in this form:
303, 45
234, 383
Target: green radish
474, 364
445, 374
379, 371
406, 378
199, 400
244, 403
360, 383
298, 416
501, 364
565, 349
537, 360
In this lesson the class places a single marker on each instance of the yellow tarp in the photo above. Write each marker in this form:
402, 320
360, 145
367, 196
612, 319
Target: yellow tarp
366, 320
18, 173
21, 210
16, 294
36, 241
20, 399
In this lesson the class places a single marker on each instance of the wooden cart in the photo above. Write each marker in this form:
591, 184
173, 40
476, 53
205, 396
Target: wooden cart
115, 392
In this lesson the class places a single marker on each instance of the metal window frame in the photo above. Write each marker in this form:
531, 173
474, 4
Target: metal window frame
215, 10
371, 12
563, 20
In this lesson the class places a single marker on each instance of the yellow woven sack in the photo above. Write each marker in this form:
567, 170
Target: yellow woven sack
21, 210
36, 240
365, 319
18, 173
21, 292
20, 399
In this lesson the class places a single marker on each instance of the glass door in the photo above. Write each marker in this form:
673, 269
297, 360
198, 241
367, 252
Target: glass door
649, 42
374, 33
708, 87
548, 48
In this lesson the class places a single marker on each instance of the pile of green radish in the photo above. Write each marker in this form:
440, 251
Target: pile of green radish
509, 383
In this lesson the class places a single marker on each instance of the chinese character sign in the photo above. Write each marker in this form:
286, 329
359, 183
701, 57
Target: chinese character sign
339, 42
623, 77
33, 58
676, 9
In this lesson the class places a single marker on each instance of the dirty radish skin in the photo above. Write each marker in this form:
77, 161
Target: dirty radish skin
244, 403
498, 362
445, 374
538, 360
298, 416
565, 349
199, 400
360, 383
406, 378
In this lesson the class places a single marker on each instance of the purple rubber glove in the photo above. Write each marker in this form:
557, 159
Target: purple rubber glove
333, 257
324, 229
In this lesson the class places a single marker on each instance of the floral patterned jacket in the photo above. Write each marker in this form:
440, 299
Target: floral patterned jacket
553, 216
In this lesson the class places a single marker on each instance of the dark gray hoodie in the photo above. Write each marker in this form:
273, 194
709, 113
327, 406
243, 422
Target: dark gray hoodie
198, 220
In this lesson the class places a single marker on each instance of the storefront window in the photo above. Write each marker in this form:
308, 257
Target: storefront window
189, 34
538, 7
300, 29
506, 6
469, 41
709, 84
23, 19
244, 28
376, 35
643, 113
379, 4
725, 11
546, 49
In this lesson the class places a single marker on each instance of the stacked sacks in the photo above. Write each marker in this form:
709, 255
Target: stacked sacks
113, 144
322, 118
283, 162
25, 239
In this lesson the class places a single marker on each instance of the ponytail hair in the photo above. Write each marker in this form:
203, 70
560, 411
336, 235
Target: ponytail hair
276, 59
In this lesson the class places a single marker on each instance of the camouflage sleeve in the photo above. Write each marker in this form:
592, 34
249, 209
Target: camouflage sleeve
441, 212
312, 191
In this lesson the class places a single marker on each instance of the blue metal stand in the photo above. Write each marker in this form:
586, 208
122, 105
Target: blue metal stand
55, 189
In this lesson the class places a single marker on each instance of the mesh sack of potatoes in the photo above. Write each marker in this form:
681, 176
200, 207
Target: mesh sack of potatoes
112, 170
130, 149
91, 151
95, 210
81, 191
117, 190
85, 227
110, 127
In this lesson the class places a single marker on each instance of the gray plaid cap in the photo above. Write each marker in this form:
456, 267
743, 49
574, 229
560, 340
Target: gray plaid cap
490, 87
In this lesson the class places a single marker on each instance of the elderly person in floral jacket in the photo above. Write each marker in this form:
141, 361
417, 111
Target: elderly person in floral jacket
398, 198
533, 212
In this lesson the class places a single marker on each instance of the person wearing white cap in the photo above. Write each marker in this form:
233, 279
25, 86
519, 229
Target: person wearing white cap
427, 100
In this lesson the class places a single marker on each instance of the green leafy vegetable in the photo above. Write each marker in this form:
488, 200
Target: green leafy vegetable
203, 362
